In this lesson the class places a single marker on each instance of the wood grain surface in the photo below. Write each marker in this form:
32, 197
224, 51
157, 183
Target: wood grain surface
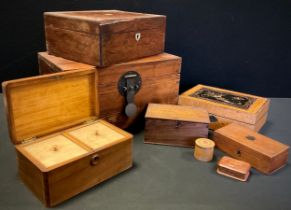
263, 153
40, 105
257, 110
174, 133
176, 112
160, 83
104, 37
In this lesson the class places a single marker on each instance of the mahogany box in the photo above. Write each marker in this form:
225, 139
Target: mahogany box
175, 125
152, 79
226, 106
236, 169
62, 147
263, 153
104, 37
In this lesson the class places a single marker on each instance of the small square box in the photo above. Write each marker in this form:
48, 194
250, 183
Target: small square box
175, 125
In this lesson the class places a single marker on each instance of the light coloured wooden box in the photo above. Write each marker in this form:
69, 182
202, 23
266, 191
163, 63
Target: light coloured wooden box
226, 106
62, 147
160, 77
104, 37
263, 153
175, 125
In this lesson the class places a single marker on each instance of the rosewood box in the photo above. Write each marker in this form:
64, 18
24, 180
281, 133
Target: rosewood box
62, 146
263, 153
175, 125
154, 79
104, 37
225, 106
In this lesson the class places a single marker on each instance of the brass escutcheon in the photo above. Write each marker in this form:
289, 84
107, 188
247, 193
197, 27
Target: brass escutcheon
94, 159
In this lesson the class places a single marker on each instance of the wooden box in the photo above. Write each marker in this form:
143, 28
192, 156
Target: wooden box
159, 75
175, 125
225, 106
104, 37
263, 153
62, 148
236, 169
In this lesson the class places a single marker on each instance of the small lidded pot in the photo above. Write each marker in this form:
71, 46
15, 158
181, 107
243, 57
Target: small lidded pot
204, 149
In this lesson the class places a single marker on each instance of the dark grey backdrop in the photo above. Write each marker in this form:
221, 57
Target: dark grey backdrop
241, 45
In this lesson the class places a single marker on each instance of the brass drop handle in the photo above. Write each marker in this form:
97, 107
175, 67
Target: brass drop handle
94, 159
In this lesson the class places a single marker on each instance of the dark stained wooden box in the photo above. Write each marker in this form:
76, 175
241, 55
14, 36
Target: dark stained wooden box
160, 77
226, 106
175, 125
62, 146
263, 153
104, 37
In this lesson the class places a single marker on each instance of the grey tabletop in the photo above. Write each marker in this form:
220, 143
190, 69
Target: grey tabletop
165, 177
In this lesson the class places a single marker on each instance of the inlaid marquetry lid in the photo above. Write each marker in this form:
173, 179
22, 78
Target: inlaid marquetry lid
229, 104
41, 105
177, 112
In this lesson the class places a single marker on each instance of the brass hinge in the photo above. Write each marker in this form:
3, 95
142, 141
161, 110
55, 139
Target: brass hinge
90, 121
27, 140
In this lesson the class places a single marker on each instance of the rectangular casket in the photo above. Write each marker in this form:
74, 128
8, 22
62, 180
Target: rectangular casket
104, 37
226, 106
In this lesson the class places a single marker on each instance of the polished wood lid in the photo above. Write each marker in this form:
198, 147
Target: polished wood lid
41, 105
252, 140
177, 112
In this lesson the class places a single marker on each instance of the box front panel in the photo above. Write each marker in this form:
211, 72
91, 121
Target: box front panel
122, 47
159, 84
80, 175
174, 133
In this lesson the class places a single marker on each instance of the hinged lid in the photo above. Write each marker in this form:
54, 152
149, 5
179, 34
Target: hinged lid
40, 105
253, 140
177, 112
234, 165
226, 103
111, 21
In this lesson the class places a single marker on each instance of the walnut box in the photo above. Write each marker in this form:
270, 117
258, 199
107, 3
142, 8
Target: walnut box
225, 106
156, 77
104, 37
175, 125
263, 153
236, 169
62, 146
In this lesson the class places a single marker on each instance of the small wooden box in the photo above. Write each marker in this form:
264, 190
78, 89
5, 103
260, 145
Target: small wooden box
104, 37
263, 153
160, 77
233, 168
175, 125
225, 106
62, 148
